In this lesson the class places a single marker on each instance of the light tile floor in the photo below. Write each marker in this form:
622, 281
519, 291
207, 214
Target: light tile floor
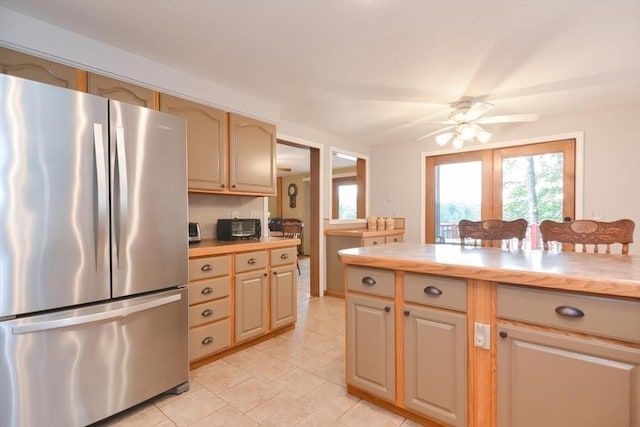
294, 379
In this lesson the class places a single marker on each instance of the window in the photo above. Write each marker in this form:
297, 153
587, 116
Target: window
534, 182
345, 198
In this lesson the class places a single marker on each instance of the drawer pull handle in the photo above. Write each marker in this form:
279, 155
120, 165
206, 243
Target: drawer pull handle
284, 256
208, 312
432, 290
375, 242
503, 334
207, 340
567, 311
207, 290
407, 313
206, 267
387, 309
370, 281
252, 261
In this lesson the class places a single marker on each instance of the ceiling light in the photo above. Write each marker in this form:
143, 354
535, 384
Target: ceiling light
458, 143
443, 138
466, 131
483, 136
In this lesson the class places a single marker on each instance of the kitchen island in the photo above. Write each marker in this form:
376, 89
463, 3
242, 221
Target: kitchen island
483, 337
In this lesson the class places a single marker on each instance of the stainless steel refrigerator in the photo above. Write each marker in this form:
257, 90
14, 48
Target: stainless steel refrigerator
93, 255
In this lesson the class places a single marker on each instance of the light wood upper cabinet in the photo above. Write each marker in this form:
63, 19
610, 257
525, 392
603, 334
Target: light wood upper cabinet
206, 142
33, 68
120, 91
252, 154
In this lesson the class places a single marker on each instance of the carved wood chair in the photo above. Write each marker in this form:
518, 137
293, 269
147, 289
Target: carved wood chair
588, 233
492, 232
293, 230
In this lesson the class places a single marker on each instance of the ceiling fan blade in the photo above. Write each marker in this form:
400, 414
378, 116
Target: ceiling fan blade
476, 110
435, 132
509, 119
281, 169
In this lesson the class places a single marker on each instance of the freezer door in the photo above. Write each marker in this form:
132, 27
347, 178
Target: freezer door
148, 199
54, 217
76, 367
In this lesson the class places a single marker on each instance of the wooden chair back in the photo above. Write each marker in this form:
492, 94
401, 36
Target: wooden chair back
292, 229
492, 232
588, 233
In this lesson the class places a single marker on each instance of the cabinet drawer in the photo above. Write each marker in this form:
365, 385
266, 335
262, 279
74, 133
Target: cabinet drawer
206, 312
372, 281
209, 339
435, 291
203, 268
608, 317
210, 289
251, 261
396, 238
283, 256
373, 241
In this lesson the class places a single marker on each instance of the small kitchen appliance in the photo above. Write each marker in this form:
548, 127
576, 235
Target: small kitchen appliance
194, 232
238, 229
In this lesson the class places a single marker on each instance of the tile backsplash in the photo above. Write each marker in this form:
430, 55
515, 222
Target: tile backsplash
206, 209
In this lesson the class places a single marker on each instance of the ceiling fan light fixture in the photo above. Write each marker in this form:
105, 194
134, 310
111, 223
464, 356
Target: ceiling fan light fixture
466, 131
443, 138
458, 143
483, 136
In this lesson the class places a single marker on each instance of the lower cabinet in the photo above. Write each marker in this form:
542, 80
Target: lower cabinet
234, 298
549, 379
371, 350
251, 304
435, 364
284, 301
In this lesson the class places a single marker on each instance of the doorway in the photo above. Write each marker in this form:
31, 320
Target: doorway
298, 196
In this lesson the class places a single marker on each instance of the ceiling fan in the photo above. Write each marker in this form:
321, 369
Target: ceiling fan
465, 121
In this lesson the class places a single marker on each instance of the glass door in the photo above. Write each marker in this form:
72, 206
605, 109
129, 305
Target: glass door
534, 182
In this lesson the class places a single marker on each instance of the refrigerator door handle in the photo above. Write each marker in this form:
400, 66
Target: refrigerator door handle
101, 181
123, 192
92, 318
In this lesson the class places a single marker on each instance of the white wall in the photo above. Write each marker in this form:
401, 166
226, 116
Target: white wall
611, 165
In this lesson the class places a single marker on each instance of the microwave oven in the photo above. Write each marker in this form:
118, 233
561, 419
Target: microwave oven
238, 229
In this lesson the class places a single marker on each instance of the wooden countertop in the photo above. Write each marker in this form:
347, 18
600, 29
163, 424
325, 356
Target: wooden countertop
612, 274
362, 232
208, 247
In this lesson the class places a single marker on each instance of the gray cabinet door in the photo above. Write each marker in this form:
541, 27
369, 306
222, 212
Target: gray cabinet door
250, 305
284, 301
552, 380
435, 355
252, 155
371, 346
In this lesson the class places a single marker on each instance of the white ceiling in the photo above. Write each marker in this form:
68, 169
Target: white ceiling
366, 70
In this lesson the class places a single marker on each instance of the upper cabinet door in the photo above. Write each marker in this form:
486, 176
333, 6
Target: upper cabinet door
120, 91
252, 155
206, 142
33, 68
